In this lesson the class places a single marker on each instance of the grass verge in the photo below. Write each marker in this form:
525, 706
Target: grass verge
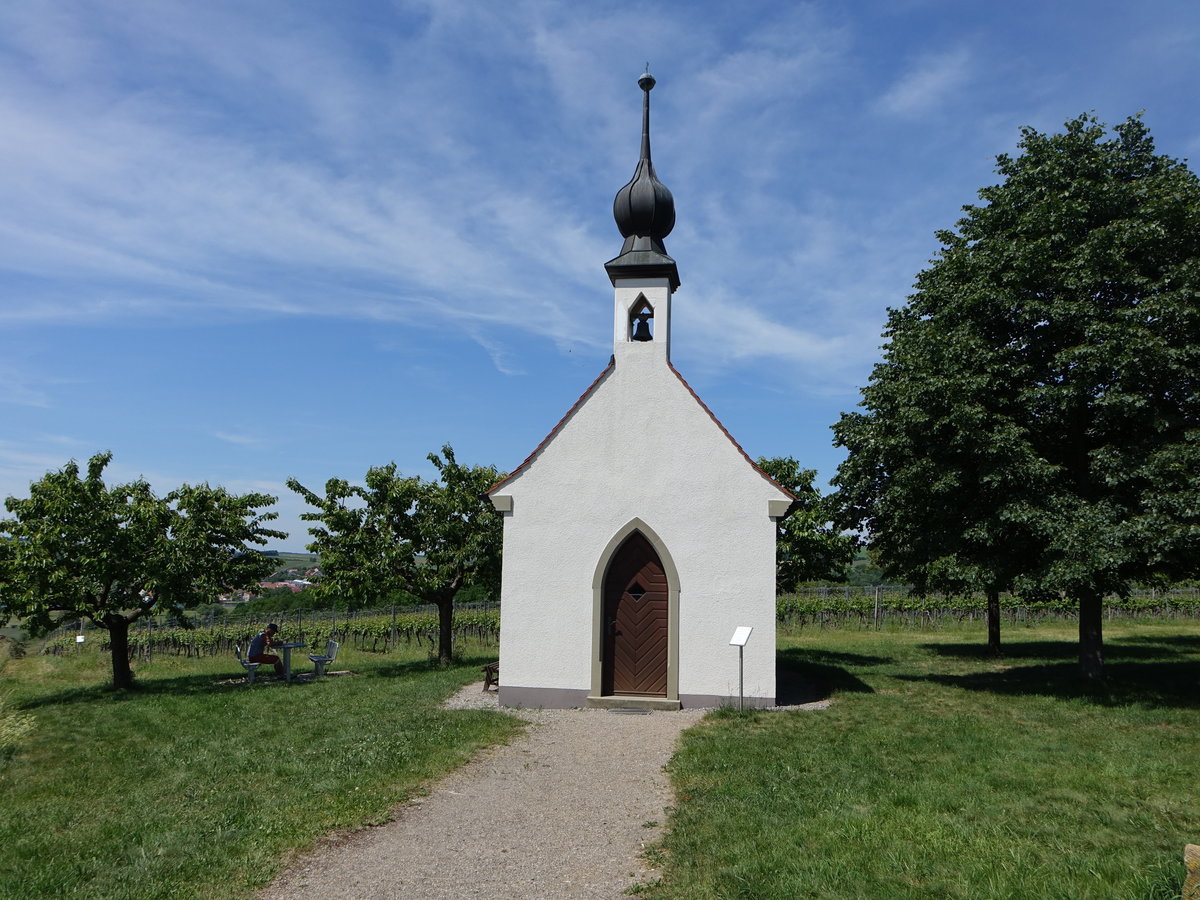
197, 785
938, 772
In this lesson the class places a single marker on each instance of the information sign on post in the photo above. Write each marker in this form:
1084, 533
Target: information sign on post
741, 634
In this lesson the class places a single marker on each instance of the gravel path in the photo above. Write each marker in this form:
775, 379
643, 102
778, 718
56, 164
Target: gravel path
570, 806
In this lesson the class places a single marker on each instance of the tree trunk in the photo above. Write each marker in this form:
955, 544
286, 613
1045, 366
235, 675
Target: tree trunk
1091, 635
118, 639
445, 607
993, 621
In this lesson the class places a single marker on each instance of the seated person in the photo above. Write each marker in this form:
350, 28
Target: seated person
258, 648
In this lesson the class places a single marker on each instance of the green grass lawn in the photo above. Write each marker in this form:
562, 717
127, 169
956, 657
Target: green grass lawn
938, 772
196, 785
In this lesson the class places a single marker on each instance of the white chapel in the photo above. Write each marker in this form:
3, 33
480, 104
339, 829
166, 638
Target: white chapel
638, 536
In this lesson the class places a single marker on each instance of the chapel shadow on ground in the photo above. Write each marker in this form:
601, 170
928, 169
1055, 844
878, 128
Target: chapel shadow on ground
806, 676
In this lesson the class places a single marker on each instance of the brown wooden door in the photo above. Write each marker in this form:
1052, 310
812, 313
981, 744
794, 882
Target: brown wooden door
635, 622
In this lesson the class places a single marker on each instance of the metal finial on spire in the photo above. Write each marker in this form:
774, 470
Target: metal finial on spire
646, 83
644, 209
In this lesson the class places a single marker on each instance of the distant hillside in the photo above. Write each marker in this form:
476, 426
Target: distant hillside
290, 566
288, 558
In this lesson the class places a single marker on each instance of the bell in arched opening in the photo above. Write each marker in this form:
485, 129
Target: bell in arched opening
639, 322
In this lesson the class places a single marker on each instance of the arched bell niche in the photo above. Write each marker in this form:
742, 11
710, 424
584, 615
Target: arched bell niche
641, 315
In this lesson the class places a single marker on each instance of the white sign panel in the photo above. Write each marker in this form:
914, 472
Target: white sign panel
740, 636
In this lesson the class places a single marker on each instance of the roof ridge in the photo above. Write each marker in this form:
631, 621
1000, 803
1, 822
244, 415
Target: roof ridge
612, 362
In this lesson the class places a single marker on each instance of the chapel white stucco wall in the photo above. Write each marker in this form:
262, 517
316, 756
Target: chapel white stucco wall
639, 446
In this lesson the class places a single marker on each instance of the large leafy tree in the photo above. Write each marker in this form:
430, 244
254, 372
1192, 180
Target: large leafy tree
1035, 421
934, 466
807, 547
77, 548
395, 533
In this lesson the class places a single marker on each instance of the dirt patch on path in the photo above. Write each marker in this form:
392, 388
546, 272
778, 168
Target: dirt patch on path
563, 811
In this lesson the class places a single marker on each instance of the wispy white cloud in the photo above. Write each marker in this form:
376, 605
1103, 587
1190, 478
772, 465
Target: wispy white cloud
393, 206
21, 464
60, 440
740, 331
929, 82
499, 354
147, 195
19, 387
419, 170
242, 440
782, 59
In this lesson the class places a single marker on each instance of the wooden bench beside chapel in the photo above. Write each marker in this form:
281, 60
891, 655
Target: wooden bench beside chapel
491, 676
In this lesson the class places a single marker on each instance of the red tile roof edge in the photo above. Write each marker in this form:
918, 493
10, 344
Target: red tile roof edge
725, 431
612, 364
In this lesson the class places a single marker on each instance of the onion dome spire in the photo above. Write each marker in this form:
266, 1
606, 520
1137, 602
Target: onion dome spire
645, 213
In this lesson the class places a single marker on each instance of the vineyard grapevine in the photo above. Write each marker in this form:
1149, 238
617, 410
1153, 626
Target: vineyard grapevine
822, 607
373, 634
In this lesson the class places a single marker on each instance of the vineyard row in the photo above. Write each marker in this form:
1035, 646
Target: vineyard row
376, 634
879, 606
820, 607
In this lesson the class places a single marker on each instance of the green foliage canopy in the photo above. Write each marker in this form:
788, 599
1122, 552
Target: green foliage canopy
807, 547
77, 548
1035, 421
397, 533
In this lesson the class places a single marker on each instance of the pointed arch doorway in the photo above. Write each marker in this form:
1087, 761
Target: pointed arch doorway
635, 639
635, 623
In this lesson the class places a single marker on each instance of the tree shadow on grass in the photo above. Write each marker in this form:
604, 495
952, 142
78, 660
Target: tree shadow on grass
1184, 641
179, 685
1123, 648
806, 676
975, 650
1156, 685
410, 668
210, 683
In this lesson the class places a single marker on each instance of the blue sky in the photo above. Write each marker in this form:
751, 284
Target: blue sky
241, 241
